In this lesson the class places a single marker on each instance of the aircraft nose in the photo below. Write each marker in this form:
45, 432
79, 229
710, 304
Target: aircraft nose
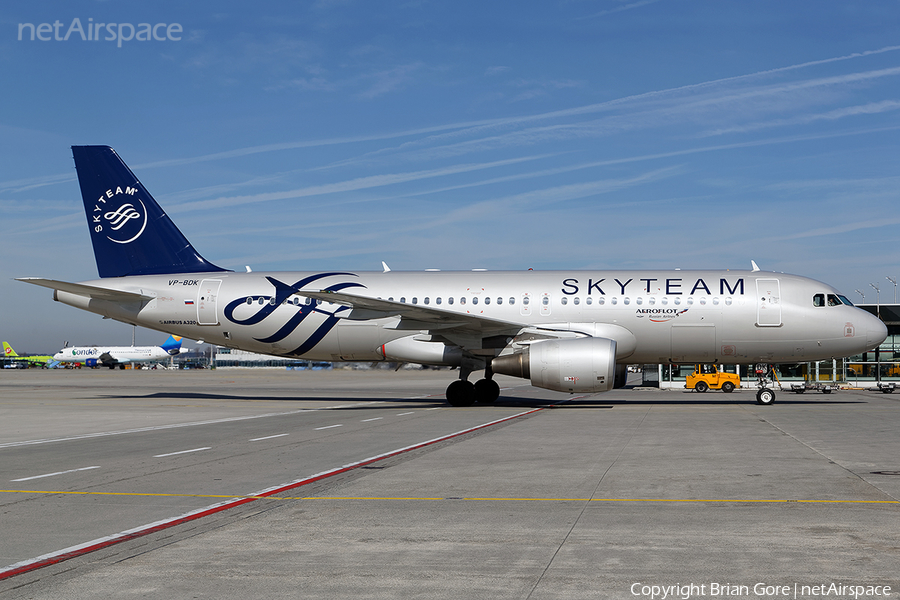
876, 331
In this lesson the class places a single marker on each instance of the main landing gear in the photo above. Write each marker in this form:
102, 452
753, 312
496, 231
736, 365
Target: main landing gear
464, 393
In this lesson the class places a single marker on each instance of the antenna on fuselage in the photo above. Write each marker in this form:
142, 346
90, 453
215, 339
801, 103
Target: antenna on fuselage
755, 266
387, 269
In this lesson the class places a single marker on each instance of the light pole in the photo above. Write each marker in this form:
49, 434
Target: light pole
894, 281
877, 355
861, 294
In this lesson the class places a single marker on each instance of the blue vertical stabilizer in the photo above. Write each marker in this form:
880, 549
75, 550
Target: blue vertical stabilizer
130, 232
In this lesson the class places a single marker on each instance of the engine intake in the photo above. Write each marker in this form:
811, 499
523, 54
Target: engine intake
573, 365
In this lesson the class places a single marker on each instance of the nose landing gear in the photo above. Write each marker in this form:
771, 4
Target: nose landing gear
765, 395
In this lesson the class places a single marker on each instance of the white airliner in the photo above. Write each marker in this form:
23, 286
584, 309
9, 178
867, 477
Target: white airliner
570, 331
110, 356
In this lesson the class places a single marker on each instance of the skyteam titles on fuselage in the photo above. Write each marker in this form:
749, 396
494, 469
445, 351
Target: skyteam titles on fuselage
670, 286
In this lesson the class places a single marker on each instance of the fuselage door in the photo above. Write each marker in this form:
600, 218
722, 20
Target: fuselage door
768, 298
207, 300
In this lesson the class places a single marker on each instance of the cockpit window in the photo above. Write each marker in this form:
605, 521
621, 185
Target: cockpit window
830, 300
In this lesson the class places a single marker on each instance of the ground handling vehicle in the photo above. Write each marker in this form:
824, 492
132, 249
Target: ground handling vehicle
706, 377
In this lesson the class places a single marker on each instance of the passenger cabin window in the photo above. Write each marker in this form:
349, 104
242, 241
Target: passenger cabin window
819, 300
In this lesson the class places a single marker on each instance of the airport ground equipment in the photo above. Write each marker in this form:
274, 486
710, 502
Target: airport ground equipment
803, 386
709, 377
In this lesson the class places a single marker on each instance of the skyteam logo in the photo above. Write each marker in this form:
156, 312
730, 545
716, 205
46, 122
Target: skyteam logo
250, 310
119, 216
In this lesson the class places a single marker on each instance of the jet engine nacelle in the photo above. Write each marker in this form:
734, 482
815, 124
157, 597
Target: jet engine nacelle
571, 365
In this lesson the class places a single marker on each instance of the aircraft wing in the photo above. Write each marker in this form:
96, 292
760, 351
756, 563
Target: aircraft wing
107, 359
464, 328
89, 291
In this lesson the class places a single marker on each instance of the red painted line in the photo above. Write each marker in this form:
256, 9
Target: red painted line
76, 551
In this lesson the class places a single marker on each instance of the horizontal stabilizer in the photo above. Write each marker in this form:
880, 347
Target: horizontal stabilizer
88, 291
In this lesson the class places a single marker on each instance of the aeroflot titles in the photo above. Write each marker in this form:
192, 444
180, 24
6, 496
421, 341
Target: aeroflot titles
673, 286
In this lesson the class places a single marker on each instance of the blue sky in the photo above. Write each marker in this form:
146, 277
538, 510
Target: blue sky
455, 135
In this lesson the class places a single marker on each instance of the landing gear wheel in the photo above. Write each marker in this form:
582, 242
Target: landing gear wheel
727, 387
765, 396
486, 391
701, 386
461, 393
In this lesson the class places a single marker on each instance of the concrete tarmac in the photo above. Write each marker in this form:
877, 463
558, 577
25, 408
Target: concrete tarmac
630, 494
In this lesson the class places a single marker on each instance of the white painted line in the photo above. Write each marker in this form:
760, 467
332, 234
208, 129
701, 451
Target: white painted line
367, 420
181, 452
404, 414
177, 425
328, 427
25, 566
269, 437
57, 473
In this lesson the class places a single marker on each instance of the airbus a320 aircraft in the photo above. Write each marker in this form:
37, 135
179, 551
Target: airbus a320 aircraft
110, 356
570, 331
